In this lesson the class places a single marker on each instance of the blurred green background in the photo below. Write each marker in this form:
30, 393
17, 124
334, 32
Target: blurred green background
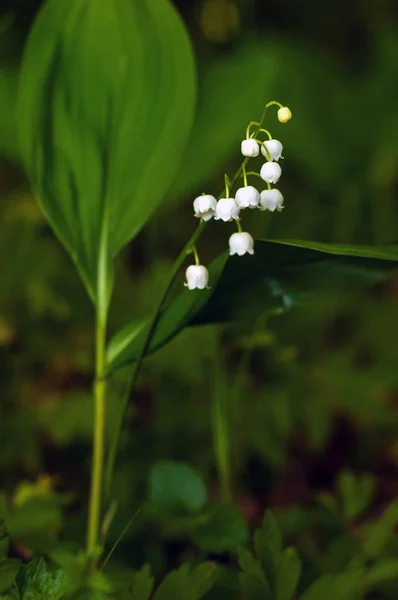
309, 394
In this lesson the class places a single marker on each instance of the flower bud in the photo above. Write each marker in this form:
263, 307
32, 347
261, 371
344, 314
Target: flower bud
197, 277
271, 200
240, 243
227, 209
250, 148
274, 148
284, 114
247, 197
271, 172
205, 207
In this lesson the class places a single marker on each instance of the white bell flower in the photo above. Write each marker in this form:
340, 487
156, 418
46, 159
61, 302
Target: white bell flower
250, 148
240, 243
247, 197
205, 207
274, 148
284, 114
271, 200
271, 172
227, 209
197, 277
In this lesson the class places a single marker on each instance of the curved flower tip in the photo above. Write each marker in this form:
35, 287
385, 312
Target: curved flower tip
241, 243
271, 200
247, 197
271, 172
205, 207
197, 277
284, 114
227, 210
274, 148
250, 148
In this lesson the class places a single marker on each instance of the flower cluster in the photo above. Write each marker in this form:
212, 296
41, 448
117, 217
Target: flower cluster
228, 207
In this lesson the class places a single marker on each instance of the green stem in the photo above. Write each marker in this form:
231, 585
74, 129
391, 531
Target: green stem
100, 388
227, 185
267, 152
267, 132
274, 103
196, 255
244, 175
99, 439
220, 426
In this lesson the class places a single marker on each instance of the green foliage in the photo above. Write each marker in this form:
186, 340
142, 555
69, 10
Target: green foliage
101, 162
8, 571
384, 571
222, 528
268, 545
329, 587
178, 503
288, 574
8, 567
274, 573
141, 586
380, 533
176, 487
38, 581
186, 583
35, 516
354, 494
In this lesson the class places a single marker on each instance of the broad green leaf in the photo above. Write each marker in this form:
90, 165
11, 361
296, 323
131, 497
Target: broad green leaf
268, 545
282, 275
231, 88
176, 487
9, 568
105, 108
288, 574
222, 528
37, 581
